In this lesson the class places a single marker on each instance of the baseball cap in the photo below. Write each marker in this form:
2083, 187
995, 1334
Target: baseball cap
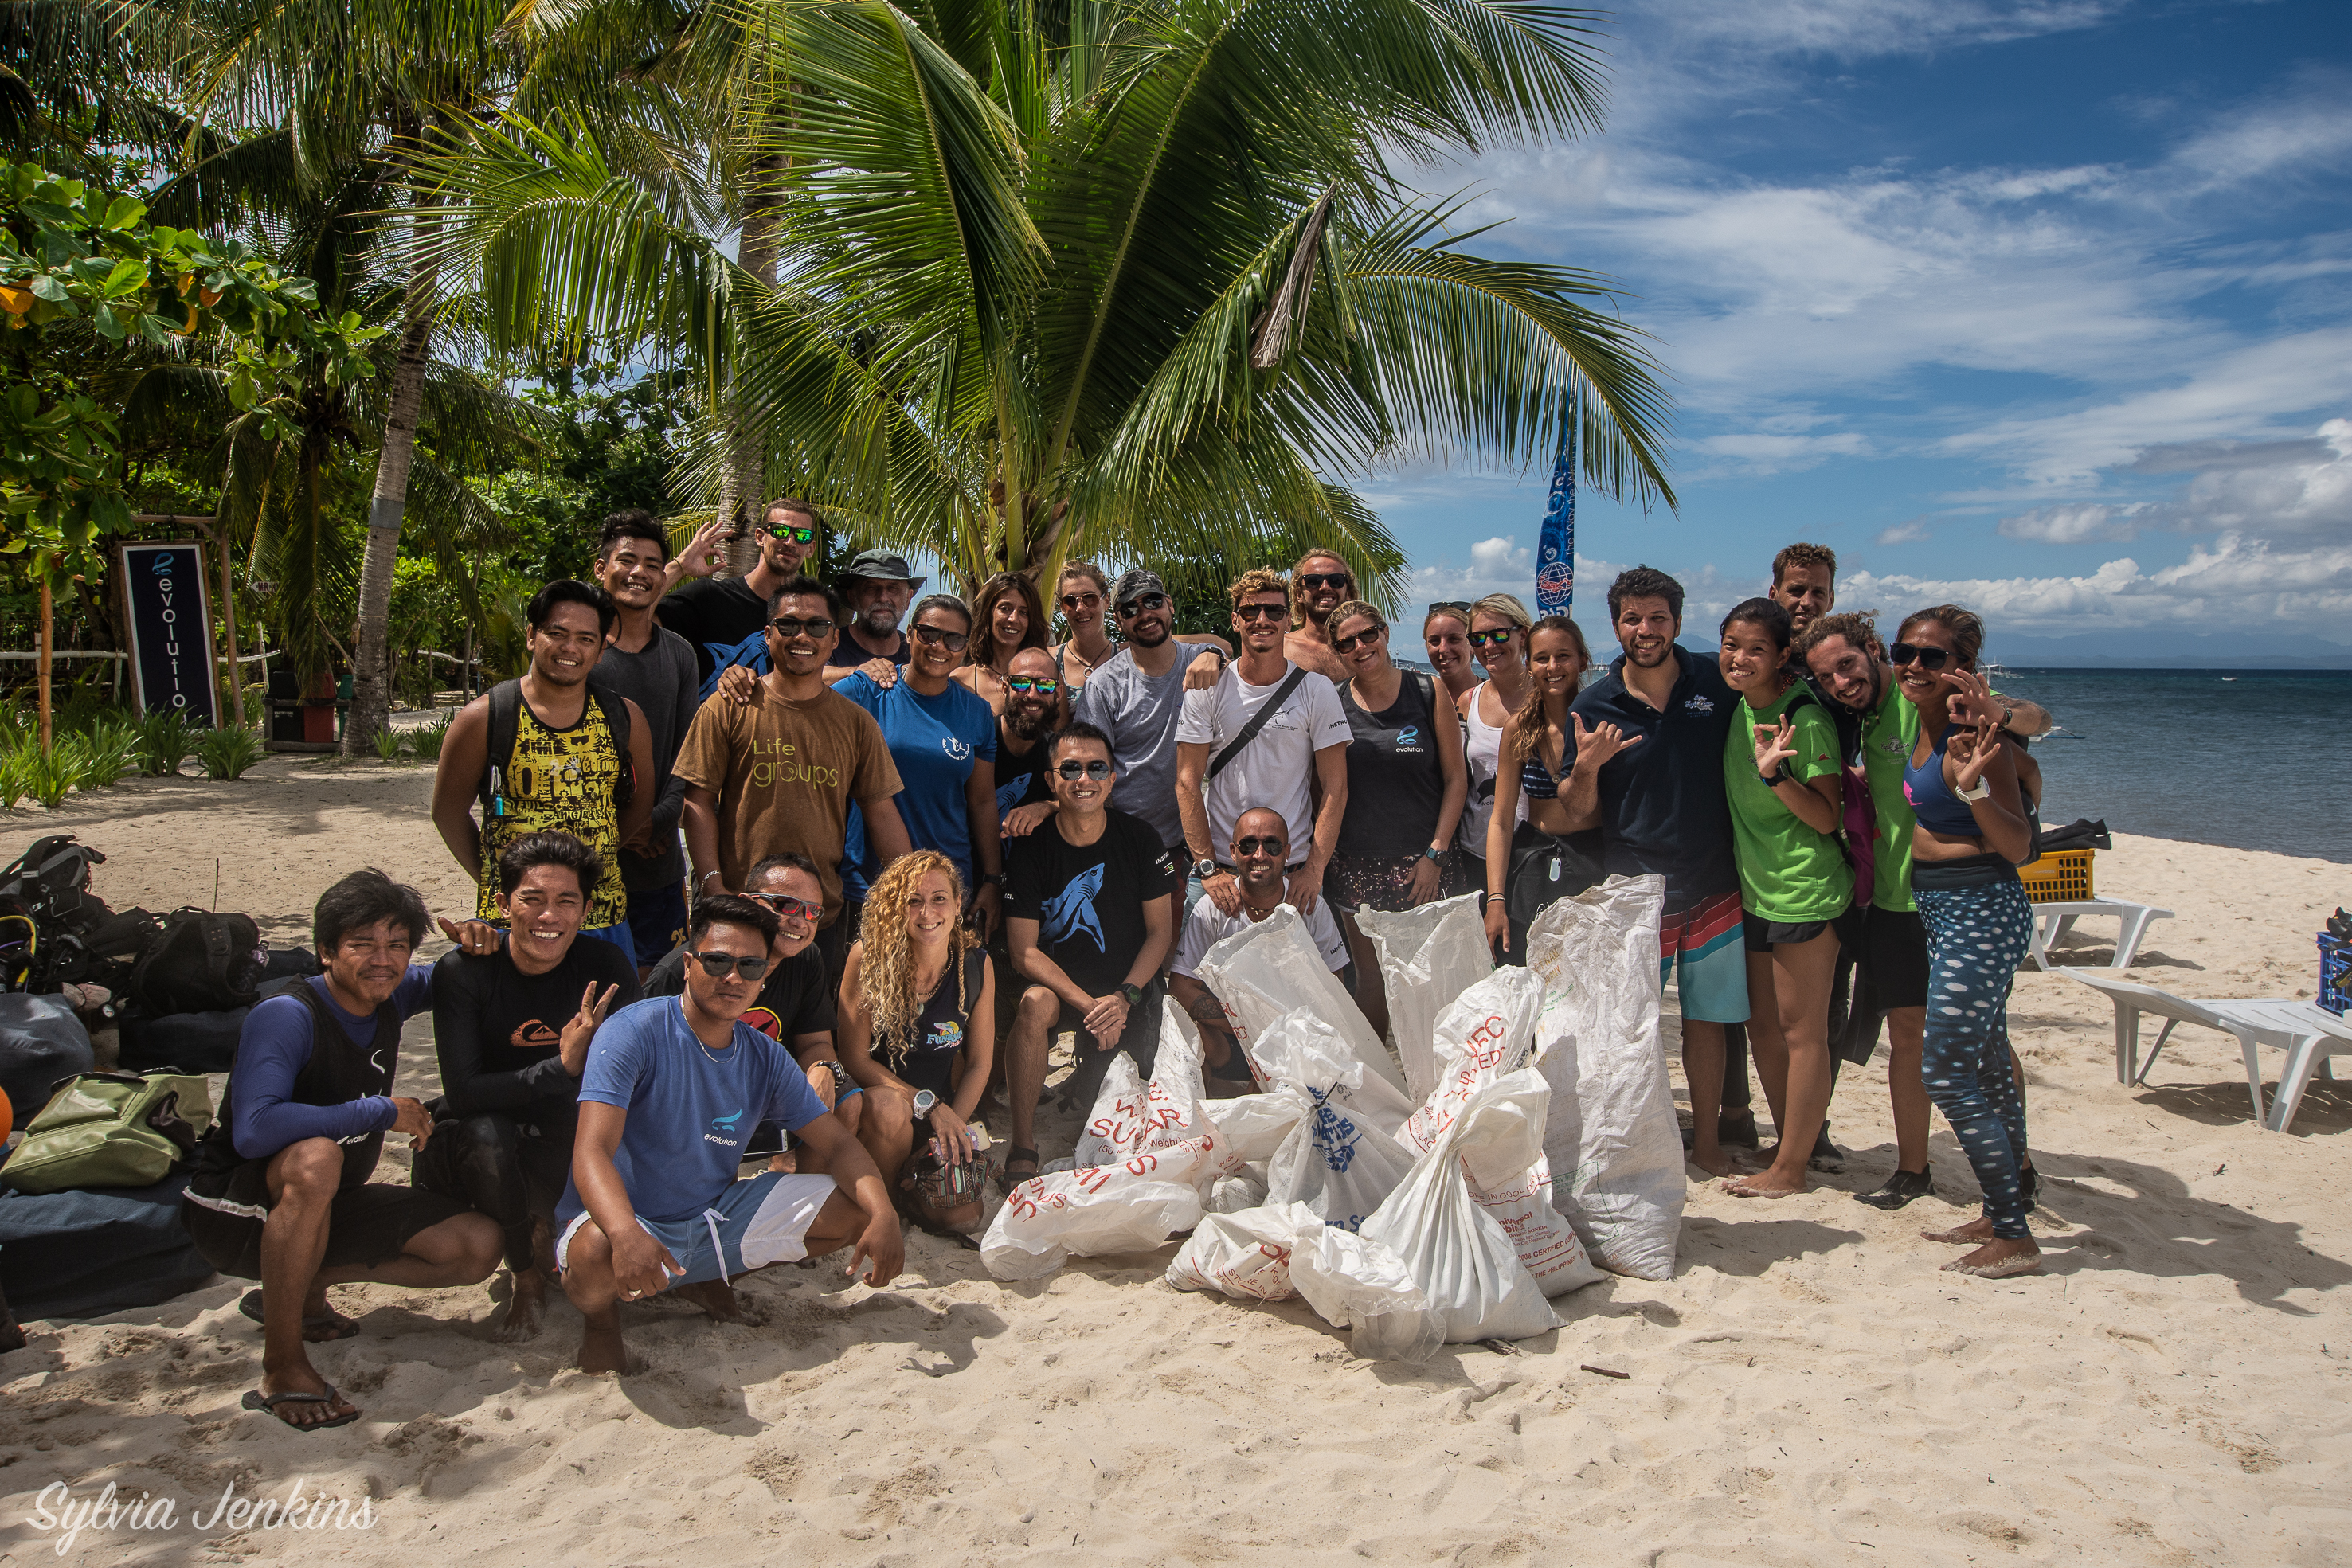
1133, 585
879, 566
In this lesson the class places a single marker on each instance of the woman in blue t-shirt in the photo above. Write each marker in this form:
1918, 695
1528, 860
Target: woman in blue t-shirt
942, 737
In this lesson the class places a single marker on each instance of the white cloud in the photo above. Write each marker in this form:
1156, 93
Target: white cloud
2305, 130
2297, 495
2072, 524
1914, 532
1856, 29
1758, 452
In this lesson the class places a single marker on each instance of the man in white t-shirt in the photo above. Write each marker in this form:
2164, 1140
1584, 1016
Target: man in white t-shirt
1259, 846
1303, 741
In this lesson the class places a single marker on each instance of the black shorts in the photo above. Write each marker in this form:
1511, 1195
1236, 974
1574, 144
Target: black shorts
1894, 956
367, 1226
1140, 1040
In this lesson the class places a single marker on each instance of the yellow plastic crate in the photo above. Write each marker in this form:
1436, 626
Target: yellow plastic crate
2062, 876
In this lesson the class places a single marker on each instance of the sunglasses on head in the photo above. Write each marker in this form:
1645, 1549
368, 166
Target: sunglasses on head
1097, 770
1142, 603
1325, 579
1450, 606
1262, 613
1368, 634
941, 637
794, 626
1929, 658
1270, 844
798, 536
1040, 685
789, 907
1494, 639
718, 965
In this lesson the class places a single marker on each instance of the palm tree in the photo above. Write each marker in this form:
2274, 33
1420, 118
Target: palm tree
1111, 277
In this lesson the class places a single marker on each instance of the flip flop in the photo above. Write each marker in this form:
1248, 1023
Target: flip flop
2008, 1267
342, 1327
267, 1404
1005, 1180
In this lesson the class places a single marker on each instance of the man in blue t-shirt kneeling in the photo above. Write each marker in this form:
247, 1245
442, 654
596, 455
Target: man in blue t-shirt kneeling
673, 1088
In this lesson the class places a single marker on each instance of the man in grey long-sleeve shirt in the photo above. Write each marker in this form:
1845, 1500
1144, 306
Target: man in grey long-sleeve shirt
655, 668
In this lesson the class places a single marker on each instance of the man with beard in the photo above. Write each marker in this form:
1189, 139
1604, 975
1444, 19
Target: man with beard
654, 667
1657, 797
1137, 695
1024, 793
551, 754
722, 618
878, 588
1321, 582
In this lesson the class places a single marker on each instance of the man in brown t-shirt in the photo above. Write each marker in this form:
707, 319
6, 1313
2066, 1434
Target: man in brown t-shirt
778, 772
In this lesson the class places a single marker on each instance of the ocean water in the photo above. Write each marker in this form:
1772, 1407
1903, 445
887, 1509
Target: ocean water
2256, 760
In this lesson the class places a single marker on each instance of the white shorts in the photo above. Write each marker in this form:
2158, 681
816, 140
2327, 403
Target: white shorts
753, 1224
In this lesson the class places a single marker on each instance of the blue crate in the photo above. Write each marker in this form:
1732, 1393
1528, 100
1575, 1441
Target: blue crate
2335, 973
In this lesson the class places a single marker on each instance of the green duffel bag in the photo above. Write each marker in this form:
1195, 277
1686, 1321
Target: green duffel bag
112, 1129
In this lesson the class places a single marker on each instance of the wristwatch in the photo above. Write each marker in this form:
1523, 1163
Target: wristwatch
1435, 853
840, 1074
1133, 993
925, 1104
1778, 776
990, 879
1205, 868
1983, 788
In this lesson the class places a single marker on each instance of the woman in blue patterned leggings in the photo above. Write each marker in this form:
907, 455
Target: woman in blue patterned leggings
1961, 784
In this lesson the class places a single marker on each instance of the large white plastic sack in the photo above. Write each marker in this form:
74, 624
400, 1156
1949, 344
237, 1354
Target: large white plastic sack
1273, 969
1088, 1212
1245, 1189
1245, 1254
1429, 955
1131, 1118
1273, 1252
1615, 1151
1465, 1262
1335, 1159
1254, 1124
1484, 1033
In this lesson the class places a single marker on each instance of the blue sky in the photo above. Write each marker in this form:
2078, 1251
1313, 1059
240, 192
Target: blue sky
2044, 305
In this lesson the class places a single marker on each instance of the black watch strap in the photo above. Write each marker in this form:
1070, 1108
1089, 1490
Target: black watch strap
1133, 993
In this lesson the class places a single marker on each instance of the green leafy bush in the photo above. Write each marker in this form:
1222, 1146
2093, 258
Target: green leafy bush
166, 740
109, 747
427, 741
388, 746
48, 777
228, 752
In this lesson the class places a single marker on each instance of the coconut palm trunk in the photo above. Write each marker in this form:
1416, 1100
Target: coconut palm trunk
747, 457
372, 676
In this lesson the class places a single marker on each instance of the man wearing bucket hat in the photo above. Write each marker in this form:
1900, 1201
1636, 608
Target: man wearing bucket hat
877, 587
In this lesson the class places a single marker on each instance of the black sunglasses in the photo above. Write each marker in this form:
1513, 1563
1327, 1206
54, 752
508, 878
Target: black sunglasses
1929, 658
794, 626
798, 536
1262, 613
1455, 606
1270, 844
1492, 638
1369, 634
939, 637
1143, 602
718, 965
1040, 685
1074, 769
1325, 579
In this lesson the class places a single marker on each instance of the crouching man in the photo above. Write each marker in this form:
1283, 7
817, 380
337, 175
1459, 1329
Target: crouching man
280, 1192
673, 1088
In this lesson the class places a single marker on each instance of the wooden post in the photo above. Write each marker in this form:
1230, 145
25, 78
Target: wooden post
48, 632
229, 620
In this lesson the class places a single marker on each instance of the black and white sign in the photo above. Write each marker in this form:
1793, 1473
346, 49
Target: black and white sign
170, 629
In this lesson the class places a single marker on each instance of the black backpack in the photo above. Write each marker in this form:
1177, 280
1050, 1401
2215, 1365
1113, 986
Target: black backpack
54, 931
201, 963
506, 710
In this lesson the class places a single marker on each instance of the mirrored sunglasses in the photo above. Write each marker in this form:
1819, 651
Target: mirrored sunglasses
1097, 770
1040, 685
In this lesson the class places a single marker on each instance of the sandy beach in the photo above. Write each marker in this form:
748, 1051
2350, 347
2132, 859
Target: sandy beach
1808, 1390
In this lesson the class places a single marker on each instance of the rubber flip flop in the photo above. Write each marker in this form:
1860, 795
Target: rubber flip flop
267, 1404
251, 1306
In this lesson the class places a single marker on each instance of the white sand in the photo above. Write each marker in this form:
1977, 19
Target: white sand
1807, 1390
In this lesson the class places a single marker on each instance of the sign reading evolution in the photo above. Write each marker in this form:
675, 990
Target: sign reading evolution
171, 623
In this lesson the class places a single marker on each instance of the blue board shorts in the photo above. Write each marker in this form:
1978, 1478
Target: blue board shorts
763, 1220
1709, 940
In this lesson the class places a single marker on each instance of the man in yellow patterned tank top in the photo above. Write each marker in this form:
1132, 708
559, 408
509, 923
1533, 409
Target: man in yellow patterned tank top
578, 762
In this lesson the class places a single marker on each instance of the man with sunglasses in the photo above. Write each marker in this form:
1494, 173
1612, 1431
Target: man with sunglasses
780, 772
722, 618
1033, 700
673, 1089
1087, 905
1261, 847
878, 588
1137, 696
1267, 734
1319, 583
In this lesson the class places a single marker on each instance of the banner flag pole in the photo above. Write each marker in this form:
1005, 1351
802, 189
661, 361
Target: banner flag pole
1556, 548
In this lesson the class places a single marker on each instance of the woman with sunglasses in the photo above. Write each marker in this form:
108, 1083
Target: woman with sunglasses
919, 1034
1526, 871
943, 737
1405, 786
1783, 782
1971, 832
1082, 595
1445, 632
1007, 617
1497, 639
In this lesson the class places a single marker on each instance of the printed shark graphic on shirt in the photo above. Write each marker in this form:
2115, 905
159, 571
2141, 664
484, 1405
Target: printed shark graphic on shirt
1008, 794
1070, 913
752, 652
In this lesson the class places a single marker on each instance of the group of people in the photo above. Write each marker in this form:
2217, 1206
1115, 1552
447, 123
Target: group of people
767, 866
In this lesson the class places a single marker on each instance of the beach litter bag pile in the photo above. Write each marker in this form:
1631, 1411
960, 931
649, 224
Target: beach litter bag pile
1428, 955
1285, 1249
1272, 969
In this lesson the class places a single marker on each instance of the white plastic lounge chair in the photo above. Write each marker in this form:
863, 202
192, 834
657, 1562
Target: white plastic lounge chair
2309, 1035
2053, 920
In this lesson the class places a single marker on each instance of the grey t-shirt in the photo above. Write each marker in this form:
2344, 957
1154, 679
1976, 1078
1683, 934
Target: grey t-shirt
1139, 712
663, 682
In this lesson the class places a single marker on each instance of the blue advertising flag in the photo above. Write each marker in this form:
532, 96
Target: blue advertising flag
1555, 550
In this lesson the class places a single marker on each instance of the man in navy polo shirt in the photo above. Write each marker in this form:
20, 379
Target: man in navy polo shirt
1658, 799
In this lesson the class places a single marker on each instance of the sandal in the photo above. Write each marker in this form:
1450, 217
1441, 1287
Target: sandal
267, 1404
1900, 1188
324, 1329
1005, 1180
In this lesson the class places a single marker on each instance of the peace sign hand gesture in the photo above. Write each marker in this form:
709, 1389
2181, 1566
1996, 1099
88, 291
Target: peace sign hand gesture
573, 1044
1775, 744
1597, 744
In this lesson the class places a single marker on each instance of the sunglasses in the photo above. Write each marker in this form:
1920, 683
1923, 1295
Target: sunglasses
1262, 613
939, 637
1080, 600
1042, 687
793, 625
798, 536
1074, 769
1269, 845
1457, 606
1929, 658
718, 965
789, 907
1325, 579
1369, 634
1142, 603
1491, 639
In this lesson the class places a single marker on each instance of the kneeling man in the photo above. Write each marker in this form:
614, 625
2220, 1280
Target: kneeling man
280, 1192
673, 1089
